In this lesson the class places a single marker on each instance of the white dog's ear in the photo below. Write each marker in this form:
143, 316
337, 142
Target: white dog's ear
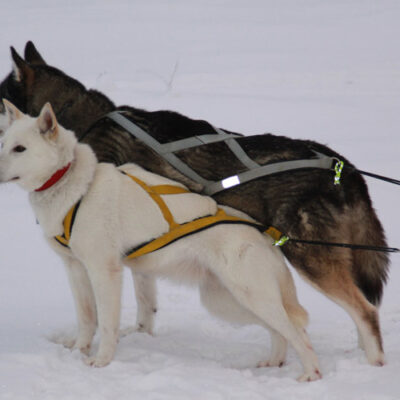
12, 112
47, 122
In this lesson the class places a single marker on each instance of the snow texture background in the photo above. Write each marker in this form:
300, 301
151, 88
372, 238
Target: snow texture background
327, 71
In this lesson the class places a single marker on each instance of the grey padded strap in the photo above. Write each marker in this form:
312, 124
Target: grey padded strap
195, 141
323, 162
238, 151
157, 147
211, 187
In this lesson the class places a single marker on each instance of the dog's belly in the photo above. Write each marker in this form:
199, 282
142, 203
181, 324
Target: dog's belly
173, 262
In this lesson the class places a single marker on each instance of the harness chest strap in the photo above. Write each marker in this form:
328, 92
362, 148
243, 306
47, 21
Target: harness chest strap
176, 231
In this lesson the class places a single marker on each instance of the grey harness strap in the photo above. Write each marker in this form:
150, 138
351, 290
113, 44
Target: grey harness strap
140, 134
322, 162
211, 187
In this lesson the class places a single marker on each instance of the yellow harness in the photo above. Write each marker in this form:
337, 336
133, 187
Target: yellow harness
176, 231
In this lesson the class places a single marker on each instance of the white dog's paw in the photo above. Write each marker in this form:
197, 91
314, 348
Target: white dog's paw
84, 348
68, 343
67, 340
137, 328
278, 362
98, 361
310, 376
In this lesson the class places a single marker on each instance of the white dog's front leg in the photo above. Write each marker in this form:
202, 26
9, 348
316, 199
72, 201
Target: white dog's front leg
146, 301
106, 279
146, 298
84, 304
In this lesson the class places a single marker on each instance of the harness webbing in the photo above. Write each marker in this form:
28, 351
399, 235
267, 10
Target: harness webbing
176, 231
166, 151
155, 193
68, 223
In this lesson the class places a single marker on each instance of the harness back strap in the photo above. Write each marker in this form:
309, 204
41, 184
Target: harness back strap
166, 151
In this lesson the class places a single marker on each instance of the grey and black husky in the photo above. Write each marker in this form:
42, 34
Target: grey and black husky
301, 203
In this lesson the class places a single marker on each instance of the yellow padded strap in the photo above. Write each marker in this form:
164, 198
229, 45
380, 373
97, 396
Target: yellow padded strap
155, 193
182, 230
274, 233
64, 238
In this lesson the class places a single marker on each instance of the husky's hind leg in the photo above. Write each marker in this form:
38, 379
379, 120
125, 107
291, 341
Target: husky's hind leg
341, 289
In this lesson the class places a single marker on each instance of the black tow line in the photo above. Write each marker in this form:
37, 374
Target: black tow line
347, 245
380, 177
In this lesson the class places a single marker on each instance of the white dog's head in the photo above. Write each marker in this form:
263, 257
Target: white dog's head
33, 149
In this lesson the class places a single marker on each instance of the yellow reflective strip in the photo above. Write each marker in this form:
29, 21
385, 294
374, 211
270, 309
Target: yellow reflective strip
274, 233
182, 230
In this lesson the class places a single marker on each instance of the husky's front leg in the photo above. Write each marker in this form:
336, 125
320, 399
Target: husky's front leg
106, 279
84, 304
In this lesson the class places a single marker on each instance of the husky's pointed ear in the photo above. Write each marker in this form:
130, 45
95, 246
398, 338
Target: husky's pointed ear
32, 56
22, 70
47, 122
12, 112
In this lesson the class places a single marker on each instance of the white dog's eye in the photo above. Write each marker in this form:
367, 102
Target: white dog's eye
19, 149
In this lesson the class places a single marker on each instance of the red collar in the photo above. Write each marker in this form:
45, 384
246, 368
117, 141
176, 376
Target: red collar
54, 178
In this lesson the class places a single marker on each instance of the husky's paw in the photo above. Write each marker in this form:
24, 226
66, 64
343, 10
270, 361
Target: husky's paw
378, 362
98, 361
310, 376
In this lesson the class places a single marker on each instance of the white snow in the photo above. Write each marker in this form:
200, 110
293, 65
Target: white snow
328, 71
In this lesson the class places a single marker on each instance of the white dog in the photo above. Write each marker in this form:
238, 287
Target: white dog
241, 275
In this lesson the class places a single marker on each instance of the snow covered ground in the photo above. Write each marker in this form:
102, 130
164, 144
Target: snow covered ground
328, 71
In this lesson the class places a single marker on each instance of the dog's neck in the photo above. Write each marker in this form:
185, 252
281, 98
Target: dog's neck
52, 204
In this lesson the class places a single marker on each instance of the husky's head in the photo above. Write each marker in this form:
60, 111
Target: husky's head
14, 87
32, 83
33, 149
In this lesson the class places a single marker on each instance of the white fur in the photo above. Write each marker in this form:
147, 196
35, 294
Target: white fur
3, 123
241, 276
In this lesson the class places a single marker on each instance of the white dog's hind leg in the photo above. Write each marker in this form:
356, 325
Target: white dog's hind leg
220, 302
106, 279
84, 304
252, 276
278, 350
